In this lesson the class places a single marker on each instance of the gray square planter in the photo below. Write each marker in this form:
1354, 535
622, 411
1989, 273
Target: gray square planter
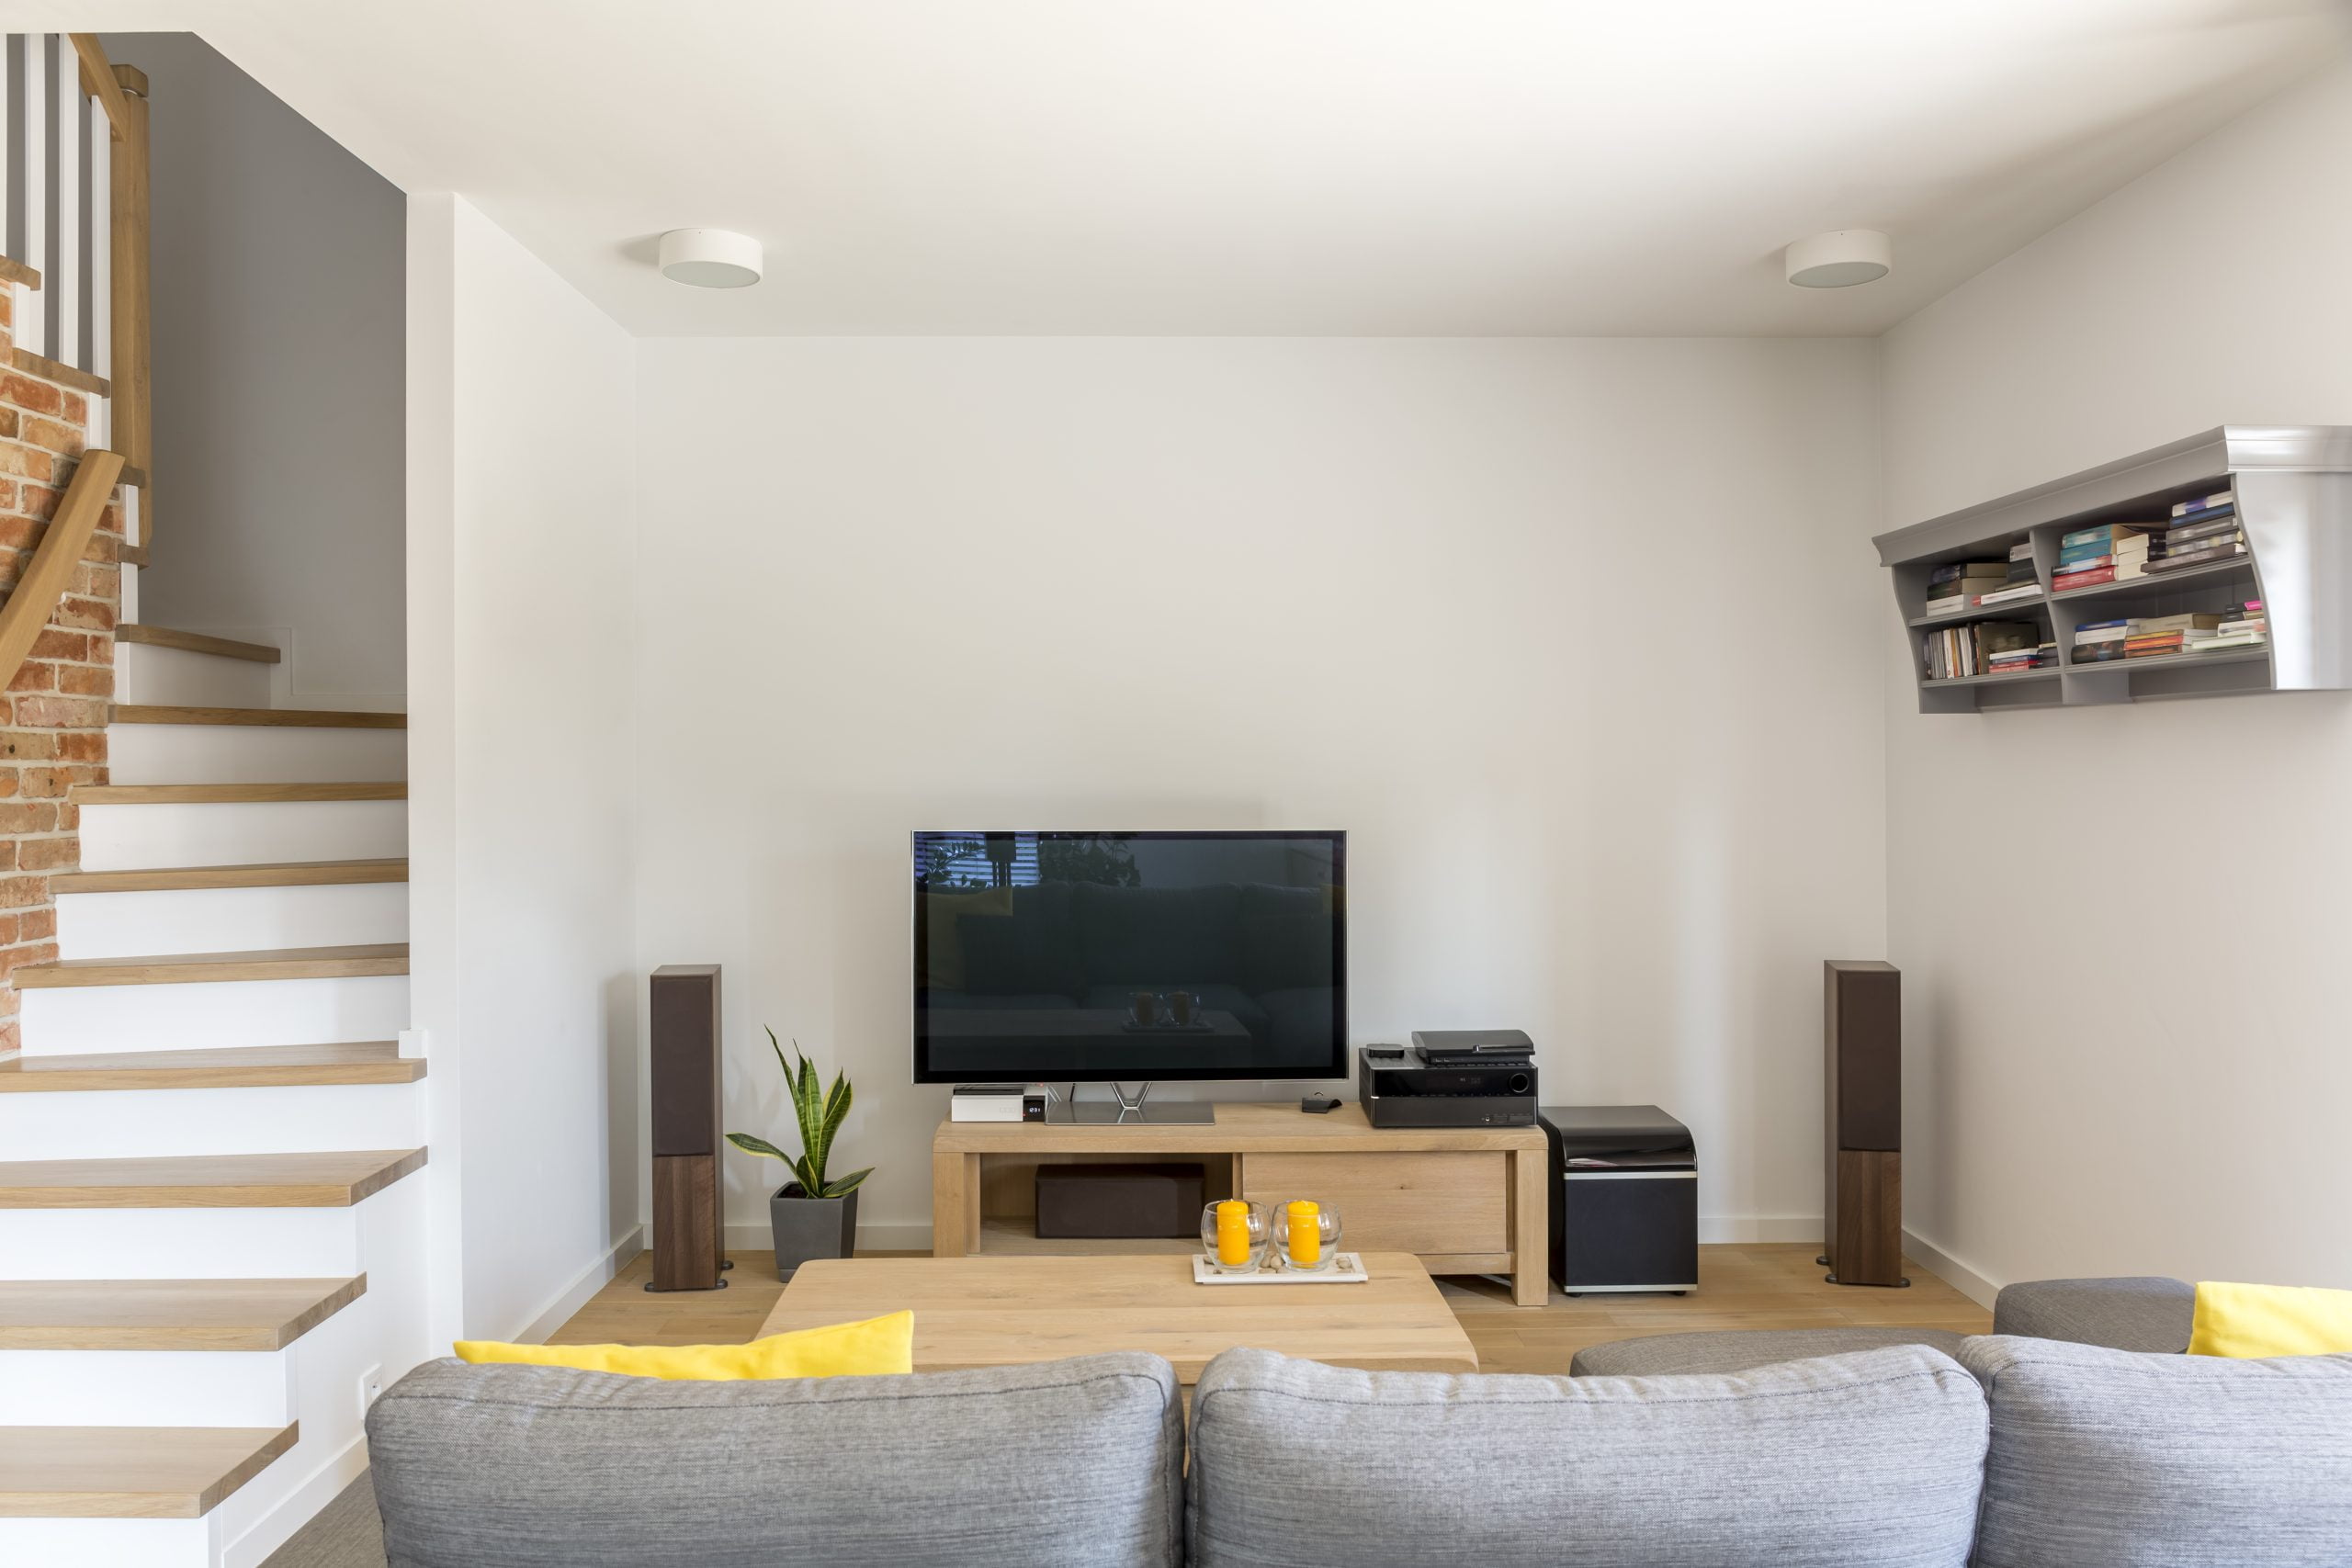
810, 1227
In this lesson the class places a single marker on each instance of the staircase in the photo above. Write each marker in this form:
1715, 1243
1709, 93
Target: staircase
211, 1135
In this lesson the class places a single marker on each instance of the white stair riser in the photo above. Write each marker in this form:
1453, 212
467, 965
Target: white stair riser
181, 1244
133, 1123
175, 677
145, 1388
147, 838
109, 1543
73, 1019
240, 753
230, 920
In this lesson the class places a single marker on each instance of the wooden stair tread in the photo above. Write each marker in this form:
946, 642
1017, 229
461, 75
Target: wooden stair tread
14, 271
238, 1066
195, 642
278, 718
334, 1180
65, 375
130, 1473
191, 878
233, 793
207, 968
167, 1315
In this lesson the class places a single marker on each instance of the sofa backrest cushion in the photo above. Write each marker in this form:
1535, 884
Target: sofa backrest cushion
1875, 1458
2102, 1458
1063, 1464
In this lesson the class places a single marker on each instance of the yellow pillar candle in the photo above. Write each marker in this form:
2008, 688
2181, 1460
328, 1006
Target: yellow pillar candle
1233, 1233
1305, 1231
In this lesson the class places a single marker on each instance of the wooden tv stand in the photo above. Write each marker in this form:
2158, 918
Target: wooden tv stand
1464, 1201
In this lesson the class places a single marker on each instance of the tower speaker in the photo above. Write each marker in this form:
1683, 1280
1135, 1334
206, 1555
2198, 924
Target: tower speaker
688, 1247
1862, 1207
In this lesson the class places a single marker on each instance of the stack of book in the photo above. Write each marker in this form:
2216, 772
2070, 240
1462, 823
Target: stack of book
2246, 626
2088, 556
1953, 586
2024, 656
2134, 548
2156, 636
1987, 647
2202, 532
2099, 642
2020, 584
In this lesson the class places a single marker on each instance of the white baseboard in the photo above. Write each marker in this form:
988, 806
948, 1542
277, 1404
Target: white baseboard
1968, 1281
575, 1295
298, 1508
1716, 1229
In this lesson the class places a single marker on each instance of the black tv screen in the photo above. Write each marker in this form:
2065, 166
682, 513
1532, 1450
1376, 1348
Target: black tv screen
1098, 957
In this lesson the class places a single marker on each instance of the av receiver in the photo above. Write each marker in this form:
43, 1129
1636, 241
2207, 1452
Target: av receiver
1400, 1088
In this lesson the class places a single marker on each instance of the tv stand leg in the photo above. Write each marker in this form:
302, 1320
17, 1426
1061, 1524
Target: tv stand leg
954, 1203
1530, 1230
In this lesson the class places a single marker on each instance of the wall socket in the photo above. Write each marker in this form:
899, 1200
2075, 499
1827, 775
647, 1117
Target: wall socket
371, 1383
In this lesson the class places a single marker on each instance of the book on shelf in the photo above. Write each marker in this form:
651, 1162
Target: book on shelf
2102, 535
2013, 593
2083, 562
2090, 579
2132, 558
2206, 503
2231, 551
2184, 537
1958, 652
2193, 620
1954, 585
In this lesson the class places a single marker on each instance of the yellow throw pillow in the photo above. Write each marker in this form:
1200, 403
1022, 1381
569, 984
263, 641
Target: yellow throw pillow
875, 1348
2270, 1320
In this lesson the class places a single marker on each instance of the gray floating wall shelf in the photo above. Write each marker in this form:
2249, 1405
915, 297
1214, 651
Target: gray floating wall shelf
2294, 500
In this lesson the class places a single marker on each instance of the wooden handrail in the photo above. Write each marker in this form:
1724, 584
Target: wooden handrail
36, 594
99, 81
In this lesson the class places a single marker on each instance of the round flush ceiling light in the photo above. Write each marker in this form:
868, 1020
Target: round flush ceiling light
711, 259
1840, 259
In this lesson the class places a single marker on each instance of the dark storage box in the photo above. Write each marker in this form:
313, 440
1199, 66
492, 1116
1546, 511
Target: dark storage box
1077, 1202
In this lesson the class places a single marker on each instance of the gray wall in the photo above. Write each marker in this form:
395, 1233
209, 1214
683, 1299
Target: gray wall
279, 418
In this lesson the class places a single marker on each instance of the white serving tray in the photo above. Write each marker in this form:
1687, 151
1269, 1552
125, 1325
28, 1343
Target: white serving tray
1347, 1269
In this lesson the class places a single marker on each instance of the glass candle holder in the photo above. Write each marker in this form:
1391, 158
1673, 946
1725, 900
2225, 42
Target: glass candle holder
1232, 1234
1307, 1235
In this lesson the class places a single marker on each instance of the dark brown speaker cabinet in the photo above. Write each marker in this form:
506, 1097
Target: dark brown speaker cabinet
1862, 1200
689, 1248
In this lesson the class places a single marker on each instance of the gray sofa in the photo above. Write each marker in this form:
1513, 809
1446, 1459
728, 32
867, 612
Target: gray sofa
2018, 1453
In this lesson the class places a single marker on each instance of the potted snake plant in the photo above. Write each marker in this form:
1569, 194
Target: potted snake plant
813, 1215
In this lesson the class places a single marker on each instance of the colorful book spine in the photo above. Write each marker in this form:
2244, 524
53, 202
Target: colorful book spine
2206, 503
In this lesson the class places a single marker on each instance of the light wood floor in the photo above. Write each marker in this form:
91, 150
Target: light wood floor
1745, 1286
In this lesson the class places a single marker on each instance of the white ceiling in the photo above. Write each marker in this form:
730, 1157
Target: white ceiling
1263, 166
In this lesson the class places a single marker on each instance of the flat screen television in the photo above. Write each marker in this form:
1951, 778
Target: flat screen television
1093, 957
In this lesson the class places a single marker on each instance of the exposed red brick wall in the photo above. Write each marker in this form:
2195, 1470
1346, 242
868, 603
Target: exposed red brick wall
56, 734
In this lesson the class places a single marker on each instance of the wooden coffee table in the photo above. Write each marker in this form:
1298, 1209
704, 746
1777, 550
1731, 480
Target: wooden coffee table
999, 1312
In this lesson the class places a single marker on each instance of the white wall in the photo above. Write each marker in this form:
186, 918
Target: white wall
277, 354
1576, 638
522, 769
2109, 1072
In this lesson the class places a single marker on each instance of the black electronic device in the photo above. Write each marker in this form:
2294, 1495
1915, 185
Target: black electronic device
1116, 957
1453, 1048
1412, 1093
1625, 1199
1318, 1104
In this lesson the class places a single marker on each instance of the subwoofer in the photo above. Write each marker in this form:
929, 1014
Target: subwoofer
1862, 1200
689, 1249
